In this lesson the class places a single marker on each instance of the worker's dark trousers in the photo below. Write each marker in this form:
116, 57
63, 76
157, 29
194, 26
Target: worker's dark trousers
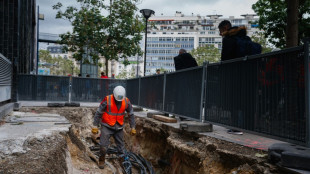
118, 136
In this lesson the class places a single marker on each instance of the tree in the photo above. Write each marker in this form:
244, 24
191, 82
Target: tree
284, 22
259, 37
57, 65
206, 53
114, 36
124, 74
45, 56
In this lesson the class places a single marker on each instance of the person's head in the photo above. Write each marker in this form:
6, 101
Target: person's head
225, 25
158, 71
119, 93
79, 75
181, 51
102, 73
87, 75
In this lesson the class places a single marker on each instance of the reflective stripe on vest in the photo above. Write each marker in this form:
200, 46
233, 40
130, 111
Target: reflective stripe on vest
112, 114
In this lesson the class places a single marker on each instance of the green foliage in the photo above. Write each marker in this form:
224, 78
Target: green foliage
45, 56
124, 74
259, 37
206, 53
273, 17
57, 65
126, 62
112, 36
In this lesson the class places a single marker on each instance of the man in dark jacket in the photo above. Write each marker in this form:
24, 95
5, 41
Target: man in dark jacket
184, 60
230, 48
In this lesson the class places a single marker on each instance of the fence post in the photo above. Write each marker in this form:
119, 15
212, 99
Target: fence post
307, 90
164, 90
70, 89
139, 91
203, 81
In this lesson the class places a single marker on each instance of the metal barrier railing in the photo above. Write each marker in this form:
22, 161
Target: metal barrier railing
5, 78
267, 93
263, 94
93, 89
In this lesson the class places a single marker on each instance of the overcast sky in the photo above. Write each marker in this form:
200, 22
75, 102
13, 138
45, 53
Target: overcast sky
166, 7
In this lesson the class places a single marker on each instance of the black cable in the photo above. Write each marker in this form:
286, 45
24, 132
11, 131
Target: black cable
130, 160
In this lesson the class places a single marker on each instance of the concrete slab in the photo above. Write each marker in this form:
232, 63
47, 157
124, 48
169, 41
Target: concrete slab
6, 109
17, 106
164, 119
72, 104
14, 137
150, 114
44, 104
55, 104
193, 126
290, 155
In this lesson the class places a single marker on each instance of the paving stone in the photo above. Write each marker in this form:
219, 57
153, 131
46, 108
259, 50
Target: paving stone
196, 127
72, 104
150, 114
165, 119
55, 104
137, 109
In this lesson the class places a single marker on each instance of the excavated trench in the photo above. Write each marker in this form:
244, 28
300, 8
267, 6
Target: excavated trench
169, 150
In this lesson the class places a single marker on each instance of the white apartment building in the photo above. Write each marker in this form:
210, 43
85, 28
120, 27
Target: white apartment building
167, 34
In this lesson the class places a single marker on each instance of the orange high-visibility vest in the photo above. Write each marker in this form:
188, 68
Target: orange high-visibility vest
112, 114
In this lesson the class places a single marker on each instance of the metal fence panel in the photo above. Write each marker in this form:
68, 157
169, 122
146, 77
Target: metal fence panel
5, 78
183, 93
93, 89
265, 94
43, 88
151, 92
132, 91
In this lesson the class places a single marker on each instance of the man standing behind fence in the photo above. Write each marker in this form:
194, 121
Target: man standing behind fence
184, 60
235, 42
110, 115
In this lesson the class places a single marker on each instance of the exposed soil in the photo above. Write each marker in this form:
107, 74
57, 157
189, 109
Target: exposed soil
169, 150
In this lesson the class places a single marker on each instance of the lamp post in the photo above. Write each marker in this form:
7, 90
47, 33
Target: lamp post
147, 14
39, 17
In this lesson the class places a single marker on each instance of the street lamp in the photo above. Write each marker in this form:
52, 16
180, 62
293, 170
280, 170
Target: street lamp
39, 17
147, 14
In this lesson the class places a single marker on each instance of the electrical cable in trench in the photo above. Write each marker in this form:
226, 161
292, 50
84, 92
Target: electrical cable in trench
130, 159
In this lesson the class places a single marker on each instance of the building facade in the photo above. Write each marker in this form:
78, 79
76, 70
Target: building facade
18, 33
168, 34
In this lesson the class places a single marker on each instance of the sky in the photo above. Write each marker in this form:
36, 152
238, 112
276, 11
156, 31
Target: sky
161, 7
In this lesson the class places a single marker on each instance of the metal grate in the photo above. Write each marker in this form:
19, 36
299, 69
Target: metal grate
183, 93
265, 94
151, 92
93, 89
132, 91
5, 79
43, 88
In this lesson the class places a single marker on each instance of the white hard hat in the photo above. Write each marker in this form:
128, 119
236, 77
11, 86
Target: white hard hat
119, 93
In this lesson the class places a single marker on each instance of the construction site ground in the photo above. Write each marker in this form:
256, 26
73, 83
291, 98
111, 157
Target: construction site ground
41, 139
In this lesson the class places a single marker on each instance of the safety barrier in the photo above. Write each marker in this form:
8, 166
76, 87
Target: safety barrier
267, 93
5, 79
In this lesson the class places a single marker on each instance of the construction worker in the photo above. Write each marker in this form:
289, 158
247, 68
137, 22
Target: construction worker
110, 115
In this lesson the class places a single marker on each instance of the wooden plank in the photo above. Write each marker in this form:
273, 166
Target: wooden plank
164, 119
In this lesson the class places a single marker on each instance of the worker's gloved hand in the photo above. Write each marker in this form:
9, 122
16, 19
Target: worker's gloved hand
95, 130
133, 132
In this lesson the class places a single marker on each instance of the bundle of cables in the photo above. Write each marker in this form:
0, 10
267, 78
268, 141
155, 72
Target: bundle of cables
129, 159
